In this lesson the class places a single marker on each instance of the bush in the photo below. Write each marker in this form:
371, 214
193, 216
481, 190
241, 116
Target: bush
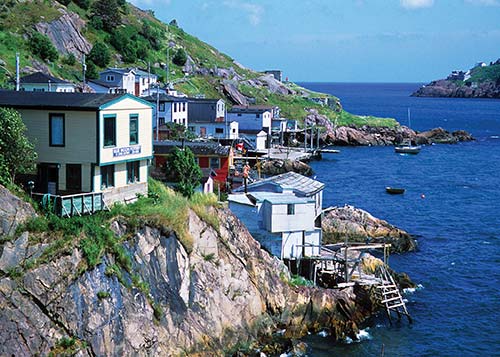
180, 57
83, 4
92, 71
69, 60
41, 46
109, 13
100, 55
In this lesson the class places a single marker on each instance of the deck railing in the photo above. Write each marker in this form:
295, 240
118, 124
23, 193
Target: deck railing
71, 205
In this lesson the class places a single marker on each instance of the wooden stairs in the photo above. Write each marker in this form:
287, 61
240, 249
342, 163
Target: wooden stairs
389, 296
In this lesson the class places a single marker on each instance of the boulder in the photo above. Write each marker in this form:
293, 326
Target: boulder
277, 167
231, 91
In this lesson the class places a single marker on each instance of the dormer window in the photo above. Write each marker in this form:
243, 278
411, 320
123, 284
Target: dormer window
110, 78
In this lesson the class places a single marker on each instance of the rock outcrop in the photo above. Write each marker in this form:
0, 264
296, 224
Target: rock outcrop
13, 211
375, 136
65, 33
360, 226
277, 167
222, 292
457, 89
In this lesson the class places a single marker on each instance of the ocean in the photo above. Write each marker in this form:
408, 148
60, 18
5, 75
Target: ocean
452, 206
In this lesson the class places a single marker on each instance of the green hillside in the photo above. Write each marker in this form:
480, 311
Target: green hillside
122, 35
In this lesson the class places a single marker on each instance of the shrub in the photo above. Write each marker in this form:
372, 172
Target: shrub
103, 294
180, 57
109, 13
69, 60
41, 46
83, 4
181, 167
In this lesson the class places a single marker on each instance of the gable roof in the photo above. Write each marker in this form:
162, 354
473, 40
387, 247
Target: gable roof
204, 100
165, 98
121, 71
298, 183
41, 78
104, 83
49, 100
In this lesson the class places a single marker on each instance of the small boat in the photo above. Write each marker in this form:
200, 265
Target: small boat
394, 190
407, 149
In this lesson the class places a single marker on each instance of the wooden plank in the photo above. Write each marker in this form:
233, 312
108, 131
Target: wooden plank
391, 299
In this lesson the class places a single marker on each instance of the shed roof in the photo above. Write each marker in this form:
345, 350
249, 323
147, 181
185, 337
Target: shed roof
298, 183
279, 198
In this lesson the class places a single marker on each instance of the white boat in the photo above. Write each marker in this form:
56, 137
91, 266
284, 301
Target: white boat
407, 148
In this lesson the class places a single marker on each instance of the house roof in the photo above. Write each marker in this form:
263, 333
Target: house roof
298, 183
41, 78
279, 198
143, 73
249, 110
104, 83
119, 70
198, 148
47, 100
245, 107
165, 98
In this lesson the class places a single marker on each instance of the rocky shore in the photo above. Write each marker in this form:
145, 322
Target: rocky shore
221, 295
459, 89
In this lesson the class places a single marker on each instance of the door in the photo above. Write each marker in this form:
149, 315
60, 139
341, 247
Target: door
203, 131
47, 180
74, 178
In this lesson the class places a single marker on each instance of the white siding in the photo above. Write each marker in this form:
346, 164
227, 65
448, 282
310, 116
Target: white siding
302, 219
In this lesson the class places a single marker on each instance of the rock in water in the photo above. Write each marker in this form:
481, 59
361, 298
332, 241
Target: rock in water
360, 226
277, 167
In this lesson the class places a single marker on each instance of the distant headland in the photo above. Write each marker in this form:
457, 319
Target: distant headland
481, 81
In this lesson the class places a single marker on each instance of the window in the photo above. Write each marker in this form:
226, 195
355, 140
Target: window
290, 209
56, 130
107, 176
214, 163
219, 130
134, 129
183, 107
162, 121
109, 131
133, 171
161, 108
110, 78
257, 115
175, 107
239, 114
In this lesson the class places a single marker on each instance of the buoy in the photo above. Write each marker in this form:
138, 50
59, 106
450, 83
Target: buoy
422, 196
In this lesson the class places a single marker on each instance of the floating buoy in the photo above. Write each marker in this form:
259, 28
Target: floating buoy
422, 196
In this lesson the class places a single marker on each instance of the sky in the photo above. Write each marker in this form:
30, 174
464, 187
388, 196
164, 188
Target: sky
344, 40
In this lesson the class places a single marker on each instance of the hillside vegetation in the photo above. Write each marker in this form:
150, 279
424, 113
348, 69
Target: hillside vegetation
52, 36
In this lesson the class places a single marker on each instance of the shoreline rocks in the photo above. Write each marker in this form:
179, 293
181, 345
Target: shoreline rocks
277, 167
360, 226
457, 89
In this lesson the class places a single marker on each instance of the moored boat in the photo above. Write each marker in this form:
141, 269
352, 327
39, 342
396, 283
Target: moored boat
407, 149
395, 190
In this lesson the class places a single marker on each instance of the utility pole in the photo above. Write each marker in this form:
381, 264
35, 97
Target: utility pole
157, 112
149, 79
17, 72
84, 69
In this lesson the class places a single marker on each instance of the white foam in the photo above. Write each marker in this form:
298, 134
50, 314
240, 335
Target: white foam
412, 290
364, 335
323, 333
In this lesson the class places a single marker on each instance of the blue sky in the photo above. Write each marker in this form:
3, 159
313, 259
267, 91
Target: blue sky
344, 40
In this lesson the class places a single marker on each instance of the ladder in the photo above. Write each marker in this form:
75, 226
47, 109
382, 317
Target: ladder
389, 296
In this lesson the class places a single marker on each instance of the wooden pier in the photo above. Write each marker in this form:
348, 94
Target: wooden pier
339, 266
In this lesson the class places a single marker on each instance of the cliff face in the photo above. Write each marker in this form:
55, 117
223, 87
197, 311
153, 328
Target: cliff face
452, 89
225, 292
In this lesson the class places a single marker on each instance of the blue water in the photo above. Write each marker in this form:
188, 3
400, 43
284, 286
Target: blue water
456, 312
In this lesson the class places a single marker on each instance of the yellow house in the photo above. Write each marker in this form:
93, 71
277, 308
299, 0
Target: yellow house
87, 142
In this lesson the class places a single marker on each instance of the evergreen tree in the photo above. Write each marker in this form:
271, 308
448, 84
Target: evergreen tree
109, 13
183, 169
41, 46
180, 57
100, 54
17, 153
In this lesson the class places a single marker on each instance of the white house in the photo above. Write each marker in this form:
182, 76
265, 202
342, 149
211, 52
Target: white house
41, 82
170, 109
143, 82
283, 213
116, 80
282, 222
87, 142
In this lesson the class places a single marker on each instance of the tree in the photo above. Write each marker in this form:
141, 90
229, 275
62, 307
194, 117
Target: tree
41, 46
17, 153
182, 168
109, 13
100, 55
180, 57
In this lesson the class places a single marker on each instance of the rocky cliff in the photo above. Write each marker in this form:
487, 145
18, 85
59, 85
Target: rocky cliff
222, 294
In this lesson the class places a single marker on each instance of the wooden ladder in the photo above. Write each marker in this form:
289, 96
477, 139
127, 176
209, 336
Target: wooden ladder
389, 296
